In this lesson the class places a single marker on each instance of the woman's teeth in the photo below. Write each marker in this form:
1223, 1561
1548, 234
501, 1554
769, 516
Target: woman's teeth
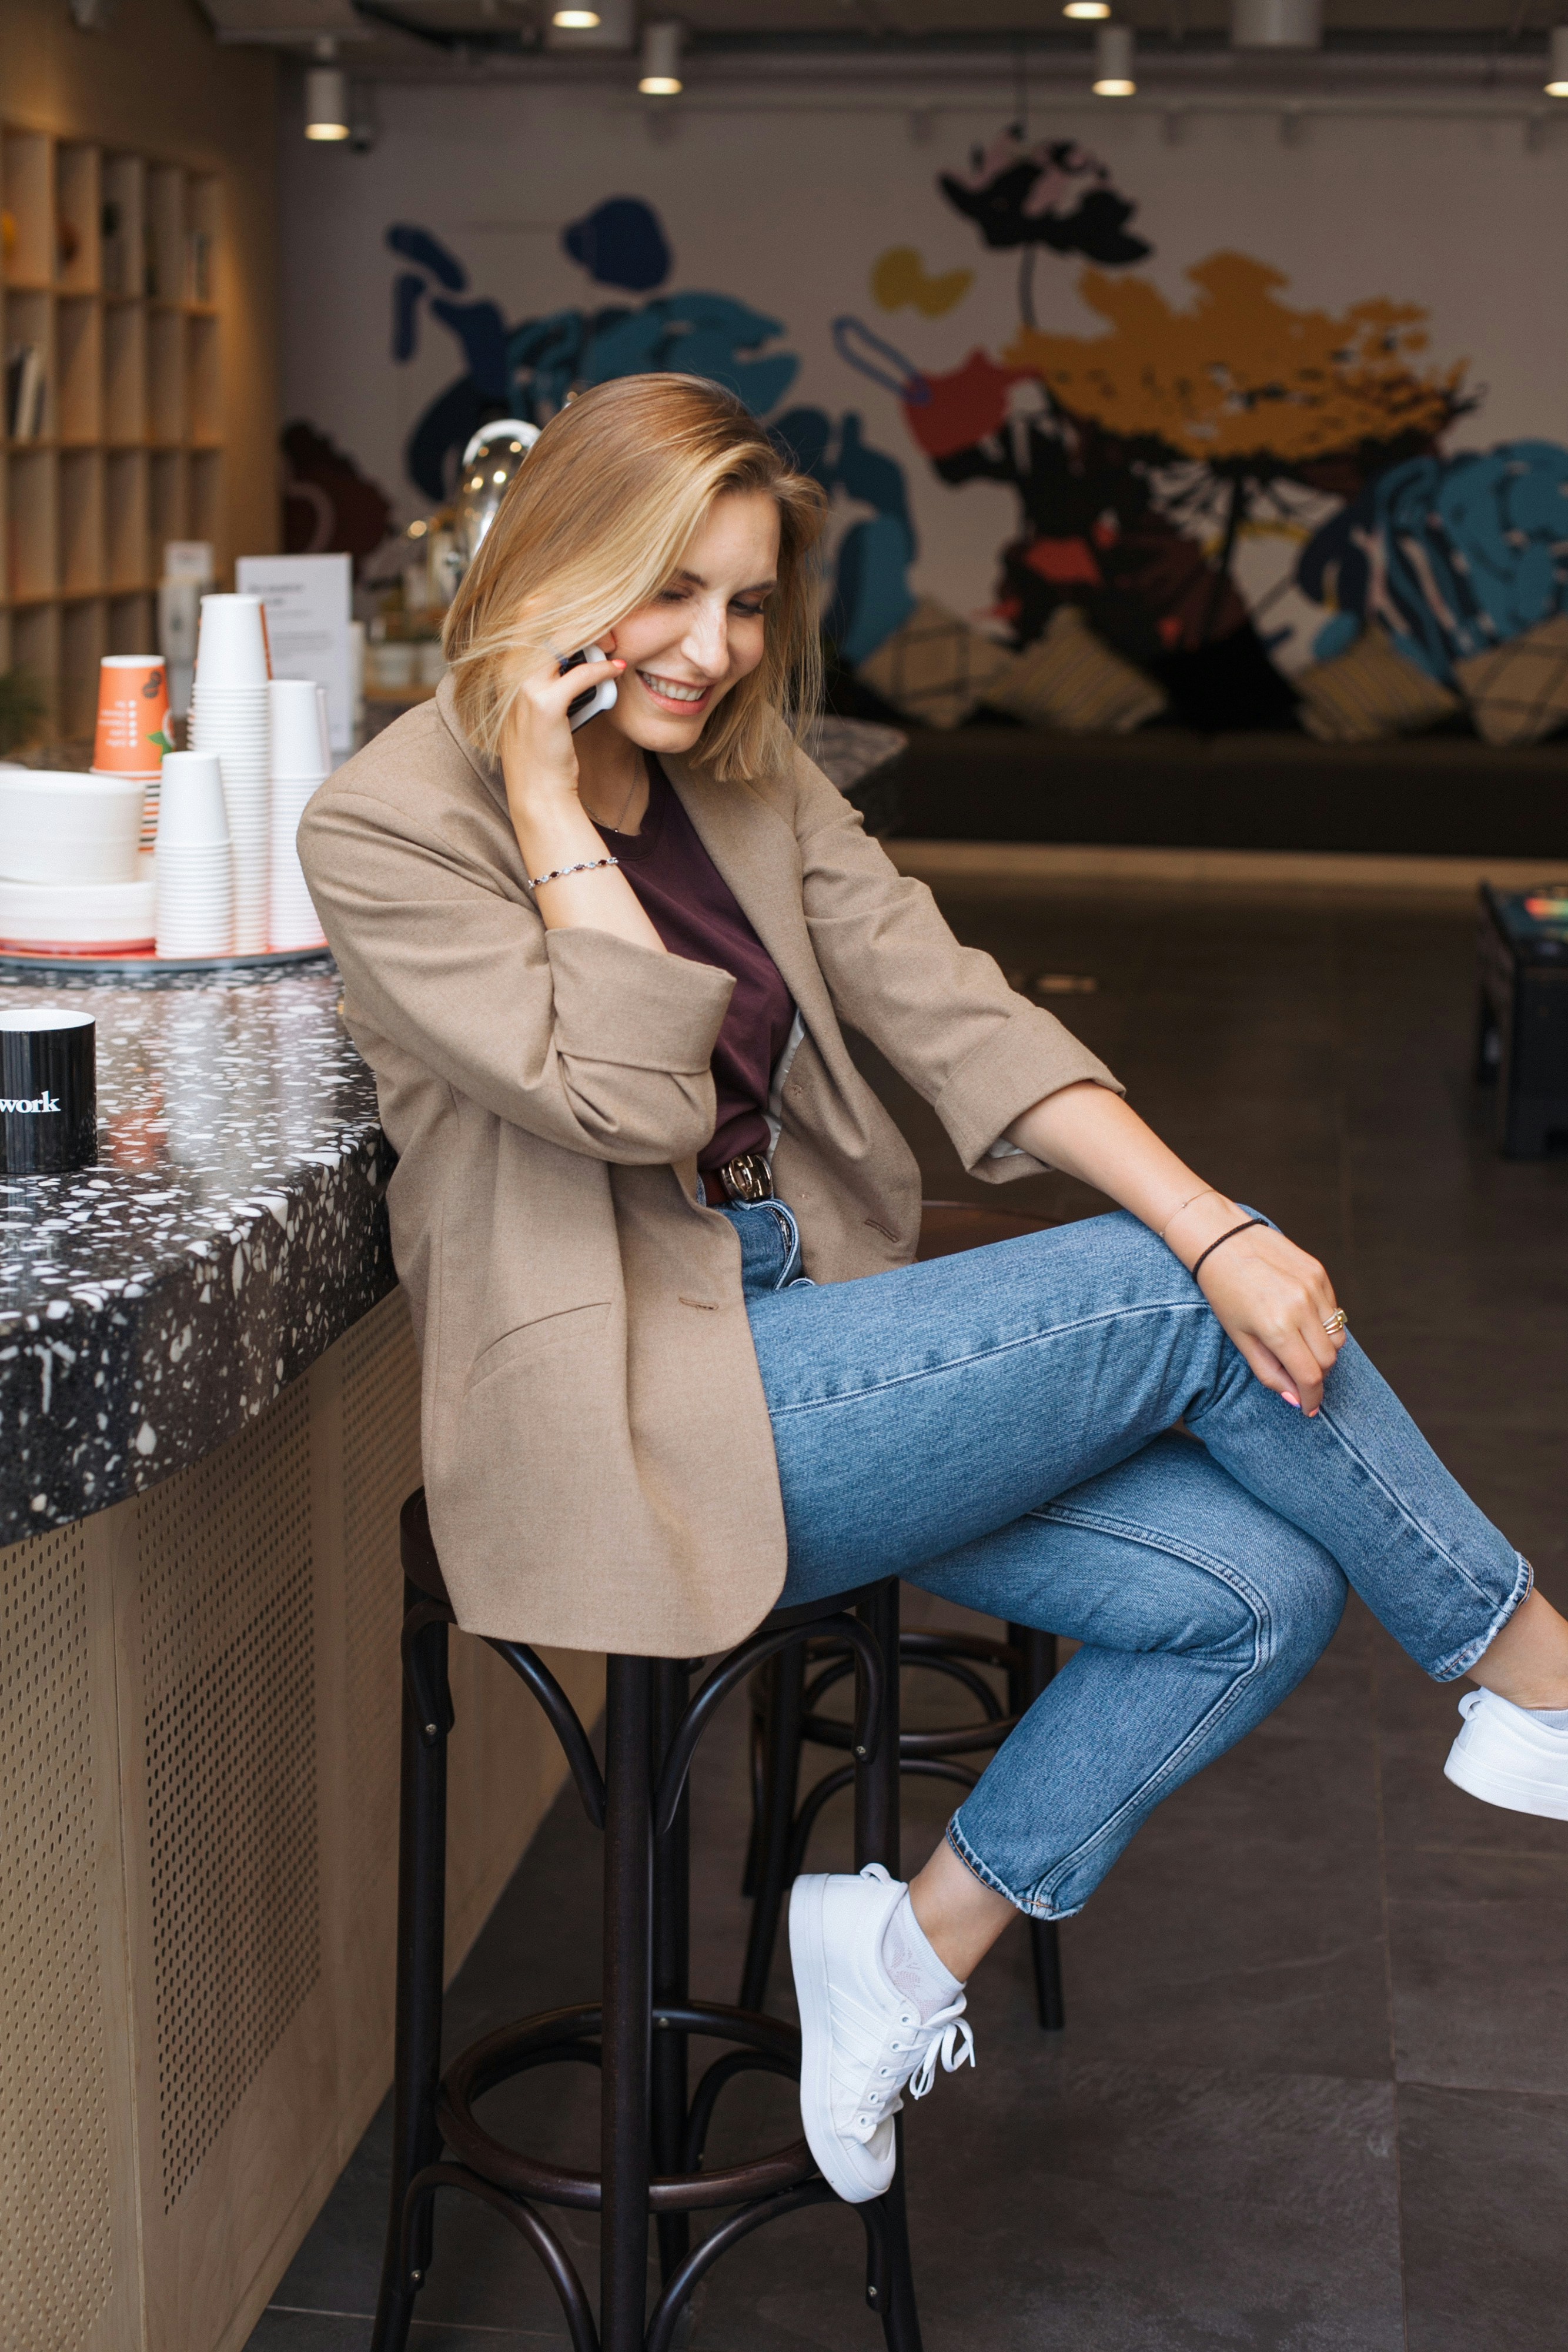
671, 688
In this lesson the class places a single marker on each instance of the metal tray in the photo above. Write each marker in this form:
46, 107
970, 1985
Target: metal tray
23, 961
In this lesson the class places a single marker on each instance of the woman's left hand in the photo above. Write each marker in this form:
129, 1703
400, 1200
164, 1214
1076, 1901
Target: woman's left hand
1275, 1302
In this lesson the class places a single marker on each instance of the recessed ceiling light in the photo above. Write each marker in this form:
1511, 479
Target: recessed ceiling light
1087, 8
576, 20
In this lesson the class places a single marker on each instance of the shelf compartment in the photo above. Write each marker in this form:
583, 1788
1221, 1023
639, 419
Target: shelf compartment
84, 641
202, 198
203, 412
78, 368
206, 498
35, 648
126, 518
123, 261
131, 625
29, 193
166, 375
81, 521
169, 507
125, 374
79, 214
31, 318
33, 522
165, 233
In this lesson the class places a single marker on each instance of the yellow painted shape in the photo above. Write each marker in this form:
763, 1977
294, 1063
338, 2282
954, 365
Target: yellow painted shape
1238, 372
899, 277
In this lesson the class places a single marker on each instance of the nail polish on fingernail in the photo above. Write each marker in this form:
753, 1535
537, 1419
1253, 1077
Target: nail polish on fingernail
1287, 1398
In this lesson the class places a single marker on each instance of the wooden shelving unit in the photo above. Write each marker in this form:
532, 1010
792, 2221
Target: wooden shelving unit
107, 267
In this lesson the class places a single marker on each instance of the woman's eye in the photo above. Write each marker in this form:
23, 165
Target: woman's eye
751, 612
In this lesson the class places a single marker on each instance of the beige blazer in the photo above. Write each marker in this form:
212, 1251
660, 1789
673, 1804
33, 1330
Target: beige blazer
597, 1449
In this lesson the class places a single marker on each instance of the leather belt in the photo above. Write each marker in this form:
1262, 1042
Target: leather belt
747, 1177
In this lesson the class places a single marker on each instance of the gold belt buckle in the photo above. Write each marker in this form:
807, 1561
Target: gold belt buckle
747, 1177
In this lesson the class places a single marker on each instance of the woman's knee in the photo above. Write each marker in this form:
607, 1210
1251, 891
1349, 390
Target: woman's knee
1305, 1593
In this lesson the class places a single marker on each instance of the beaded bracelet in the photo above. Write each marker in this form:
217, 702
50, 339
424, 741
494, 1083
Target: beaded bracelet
560, 873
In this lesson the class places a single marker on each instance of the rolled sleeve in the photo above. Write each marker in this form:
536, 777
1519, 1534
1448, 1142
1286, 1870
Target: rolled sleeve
1031, 1057
619, 1003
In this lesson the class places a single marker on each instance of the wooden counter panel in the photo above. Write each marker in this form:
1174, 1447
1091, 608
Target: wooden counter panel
200, 1749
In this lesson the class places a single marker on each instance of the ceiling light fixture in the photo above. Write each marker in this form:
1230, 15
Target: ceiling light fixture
1114, 62
1090, 10
576, 20
326, 102
660, 75
1276, 24
1557, 76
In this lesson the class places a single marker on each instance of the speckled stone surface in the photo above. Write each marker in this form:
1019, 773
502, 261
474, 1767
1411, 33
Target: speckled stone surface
233, 1228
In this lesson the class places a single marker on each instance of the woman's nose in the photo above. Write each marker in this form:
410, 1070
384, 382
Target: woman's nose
706, 643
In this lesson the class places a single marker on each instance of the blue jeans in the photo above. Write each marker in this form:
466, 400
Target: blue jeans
997, 1426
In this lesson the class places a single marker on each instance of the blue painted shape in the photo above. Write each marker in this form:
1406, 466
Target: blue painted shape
1452, 555
621, 242
482, 332
406, 292
1336, 636
872, 596
418, 245
859, 347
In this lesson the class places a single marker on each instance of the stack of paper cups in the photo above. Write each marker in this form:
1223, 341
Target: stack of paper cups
192, 871
300, 763
230, 720
132, 732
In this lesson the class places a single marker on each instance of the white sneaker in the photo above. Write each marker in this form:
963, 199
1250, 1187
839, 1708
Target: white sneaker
1505, 1758
861, 2038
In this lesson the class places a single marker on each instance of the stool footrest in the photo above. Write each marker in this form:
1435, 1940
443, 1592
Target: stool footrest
558, 2035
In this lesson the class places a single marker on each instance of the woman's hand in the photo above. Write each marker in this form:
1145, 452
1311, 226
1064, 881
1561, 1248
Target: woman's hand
538, 759
1273, 1301
1267, 1295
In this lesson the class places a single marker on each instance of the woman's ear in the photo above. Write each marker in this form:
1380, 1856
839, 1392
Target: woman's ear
606, 640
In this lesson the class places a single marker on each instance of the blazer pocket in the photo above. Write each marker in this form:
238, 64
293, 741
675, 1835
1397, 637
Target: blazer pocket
527, 1344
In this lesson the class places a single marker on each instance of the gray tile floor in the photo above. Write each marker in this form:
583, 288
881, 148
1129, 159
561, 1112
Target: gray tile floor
1312, 2095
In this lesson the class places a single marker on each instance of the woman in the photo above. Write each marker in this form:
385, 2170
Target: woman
657, 1236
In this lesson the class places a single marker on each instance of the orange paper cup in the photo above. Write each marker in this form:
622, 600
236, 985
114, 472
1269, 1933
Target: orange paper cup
133, 714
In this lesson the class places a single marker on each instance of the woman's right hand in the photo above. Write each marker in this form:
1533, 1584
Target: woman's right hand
539, 760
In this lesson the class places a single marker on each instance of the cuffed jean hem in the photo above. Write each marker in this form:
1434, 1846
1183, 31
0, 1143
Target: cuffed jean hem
1463, 1660
1031, 1905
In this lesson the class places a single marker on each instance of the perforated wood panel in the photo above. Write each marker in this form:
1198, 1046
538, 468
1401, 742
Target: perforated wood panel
229, 1678
380, 1467
56, 2240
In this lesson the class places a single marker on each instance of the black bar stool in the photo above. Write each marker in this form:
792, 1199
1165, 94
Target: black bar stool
787, 1710
787, 1713
653, 2134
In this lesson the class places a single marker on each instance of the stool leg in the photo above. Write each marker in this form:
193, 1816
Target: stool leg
421, 1953
672, 1967
1025, 1683
877, 1840
627, 2003
781, 1775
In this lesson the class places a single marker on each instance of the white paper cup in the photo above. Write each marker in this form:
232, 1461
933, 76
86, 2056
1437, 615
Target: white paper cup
58, 827
295, 727
232, 647
195, 901
191, 811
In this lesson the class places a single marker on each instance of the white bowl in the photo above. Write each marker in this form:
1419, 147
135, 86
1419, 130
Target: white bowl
56, 826
78, 917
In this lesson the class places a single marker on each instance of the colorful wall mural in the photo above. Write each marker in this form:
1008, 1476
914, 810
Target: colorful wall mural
1024, 373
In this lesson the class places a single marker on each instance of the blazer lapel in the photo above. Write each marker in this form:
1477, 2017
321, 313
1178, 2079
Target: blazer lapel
756, 852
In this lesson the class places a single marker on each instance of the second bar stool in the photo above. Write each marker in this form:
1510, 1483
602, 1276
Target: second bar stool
653, 2129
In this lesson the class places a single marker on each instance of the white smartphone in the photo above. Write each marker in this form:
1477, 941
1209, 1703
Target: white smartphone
597, 697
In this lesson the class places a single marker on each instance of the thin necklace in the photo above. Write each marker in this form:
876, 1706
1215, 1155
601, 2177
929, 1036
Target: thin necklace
636, 780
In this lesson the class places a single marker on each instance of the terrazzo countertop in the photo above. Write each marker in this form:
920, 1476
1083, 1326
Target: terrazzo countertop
233, 1228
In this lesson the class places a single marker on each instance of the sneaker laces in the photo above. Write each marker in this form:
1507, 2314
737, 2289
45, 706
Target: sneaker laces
955, 2045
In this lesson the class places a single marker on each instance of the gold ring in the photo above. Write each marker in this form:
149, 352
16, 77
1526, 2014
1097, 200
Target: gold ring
1338, 1321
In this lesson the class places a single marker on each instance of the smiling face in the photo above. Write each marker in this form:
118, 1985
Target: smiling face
702, 633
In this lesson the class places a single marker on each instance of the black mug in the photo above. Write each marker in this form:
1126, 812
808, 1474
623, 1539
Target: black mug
48, 1090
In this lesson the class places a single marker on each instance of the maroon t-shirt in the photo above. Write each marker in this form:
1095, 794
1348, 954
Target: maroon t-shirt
696, 915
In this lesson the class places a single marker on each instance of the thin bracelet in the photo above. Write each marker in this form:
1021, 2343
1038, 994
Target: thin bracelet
1230, 1236
560, 873
1186, 1204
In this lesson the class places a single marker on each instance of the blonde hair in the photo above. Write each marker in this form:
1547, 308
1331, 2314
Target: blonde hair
595, 523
